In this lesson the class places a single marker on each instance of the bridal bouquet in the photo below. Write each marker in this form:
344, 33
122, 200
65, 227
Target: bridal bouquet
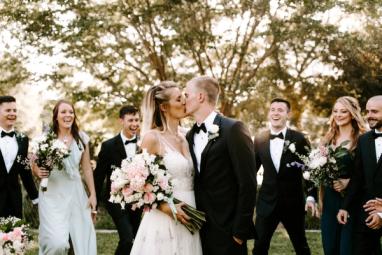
322, 165
144, 182
14, 236
48, 152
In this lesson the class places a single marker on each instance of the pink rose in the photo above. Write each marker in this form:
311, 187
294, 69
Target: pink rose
149, 198
148, 188
127, 191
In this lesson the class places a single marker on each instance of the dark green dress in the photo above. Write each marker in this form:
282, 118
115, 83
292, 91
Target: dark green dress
336, 238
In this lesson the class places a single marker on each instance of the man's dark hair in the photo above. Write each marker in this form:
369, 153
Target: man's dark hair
7, 99
127, 109
281, 100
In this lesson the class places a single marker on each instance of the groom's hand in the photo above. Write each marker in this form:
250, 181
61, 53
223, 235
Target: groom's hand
237, 240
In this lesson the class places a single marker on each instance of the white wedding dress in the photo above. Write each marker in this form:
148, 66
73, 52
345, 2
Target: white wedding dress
64, 210
158, 233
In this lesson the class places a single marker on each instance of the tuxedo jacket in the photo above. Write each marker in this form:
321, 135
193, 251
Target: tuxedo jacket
111, 154
366, 181
10, 189
287, 184
225, 187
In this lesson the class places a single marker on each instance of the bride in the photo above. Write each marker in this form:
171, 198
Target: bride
163, 107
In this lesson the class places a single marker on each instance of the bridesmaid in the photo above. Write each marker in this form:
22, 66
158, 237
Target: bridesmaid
65, 210
346, 124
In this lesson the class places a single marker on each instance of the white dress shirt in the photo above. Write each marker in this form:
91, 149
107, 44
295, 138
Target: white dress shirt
201, 138
378, 146
9, 148
130, 148
276, 147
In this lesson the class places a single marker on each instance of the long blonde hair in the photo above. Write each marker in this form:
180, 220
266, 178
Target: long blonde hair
359, 127
152, 116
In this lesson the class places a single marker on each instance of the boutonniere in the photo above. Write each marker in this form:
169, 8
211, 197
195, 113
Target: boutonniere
288, 145
20, 135
213, 132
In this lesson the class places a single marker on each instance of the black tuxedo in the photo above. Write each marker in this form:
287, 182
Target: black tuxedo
225, 188
365, 184
281, 196
10, 189
127, 221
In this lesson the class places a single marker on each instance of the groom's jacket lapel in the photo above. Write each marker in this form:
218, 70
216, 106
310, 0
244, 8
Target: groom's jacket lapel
20, 148
267, 149
217, 121
190, 140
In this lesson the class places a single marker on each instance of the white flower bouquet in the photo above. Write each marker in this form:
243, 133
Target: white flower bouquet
14, 236
322, 165
144, 182
48, 152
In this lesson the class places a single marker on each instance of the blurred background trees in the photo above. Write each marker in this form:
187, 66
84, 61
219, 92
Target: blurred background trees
105, 53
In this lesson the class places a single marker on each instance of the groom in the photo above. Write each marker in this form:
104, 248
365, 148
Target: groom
13, 145
224, 162
113, 151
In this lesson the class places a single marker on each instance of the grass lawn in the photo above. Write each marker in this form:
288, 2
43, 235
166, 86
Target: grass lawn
107, 242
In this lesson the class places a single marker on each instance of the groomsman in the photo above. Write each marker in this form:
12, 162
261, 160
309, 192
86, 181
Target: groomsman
13, 145
281, 196
113, 151
366, 185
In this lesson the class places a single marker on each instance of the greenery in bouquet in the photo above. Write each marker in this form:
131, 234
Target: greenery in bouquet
323, 165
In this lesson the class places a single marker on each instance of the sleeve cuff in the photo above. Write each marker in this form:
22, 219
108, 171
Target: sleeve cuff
35, 201
310, 199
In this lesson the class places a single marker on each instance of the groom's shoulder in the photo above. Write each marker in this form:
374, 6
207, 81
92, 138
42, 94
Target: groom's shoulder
111, 141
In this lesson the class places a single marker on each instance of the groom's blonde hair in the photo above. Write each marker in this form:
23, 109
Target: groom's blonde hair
208, 85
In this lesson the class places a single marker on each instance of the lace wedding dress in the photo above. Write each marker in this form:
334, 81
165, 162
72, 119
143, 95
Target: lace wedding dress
158, 233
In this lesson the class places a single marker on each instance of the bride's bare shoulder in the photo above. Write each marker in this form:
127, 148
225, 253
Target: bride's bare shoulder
150, 141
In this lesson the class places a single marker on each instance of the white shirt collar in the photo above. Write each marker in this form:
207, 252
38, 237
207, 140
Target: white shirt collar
124, 138
11, 130
209, 121
377, 131
282, 131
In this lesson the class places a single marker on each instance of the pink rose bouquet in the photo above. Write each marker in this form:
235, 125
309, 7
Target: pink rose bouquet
144, 182
14, 236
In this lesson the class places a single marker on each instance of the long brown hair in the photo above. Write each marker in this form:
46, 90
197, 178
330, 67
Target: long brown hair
74, 129
358, 124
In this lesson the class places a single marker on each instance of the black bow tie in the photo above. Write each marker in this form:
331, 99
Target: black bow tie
201, 127
376, 135
279, 135
131, 141
10, 134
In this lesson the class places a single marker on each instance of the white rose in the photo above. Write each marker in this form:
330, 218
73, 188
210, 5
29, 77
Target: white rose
160, 196
306, 175
292, 147
214, 128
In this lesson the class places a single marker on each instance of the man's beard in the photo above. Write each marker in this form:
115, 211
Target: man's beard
377, 125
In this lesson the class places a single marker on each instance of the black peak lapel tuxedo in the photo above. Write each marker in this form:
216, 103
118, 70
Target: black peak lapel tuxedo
365, 184
281, 196
225, 187
10, 189
127, 221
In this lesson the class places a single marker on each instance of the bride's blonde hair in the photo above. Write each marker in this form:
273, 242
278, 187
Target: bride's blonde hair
152, 116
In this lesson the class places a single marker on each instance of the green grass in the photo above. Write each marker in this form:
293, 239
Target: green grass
281, 245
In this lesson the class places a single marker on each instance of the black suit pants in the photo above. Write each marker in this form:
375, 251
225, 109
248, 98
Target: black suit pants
11, 207
127, 223
294, 223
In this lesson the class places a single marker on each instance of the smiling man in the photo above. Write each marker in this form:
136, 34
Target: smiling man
281, 196
13, 145
113, 151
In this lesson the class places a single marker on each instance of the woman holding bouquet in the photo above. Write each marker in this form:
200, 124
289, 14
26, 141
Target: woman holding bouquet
65, 210
345, 126
163, 108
